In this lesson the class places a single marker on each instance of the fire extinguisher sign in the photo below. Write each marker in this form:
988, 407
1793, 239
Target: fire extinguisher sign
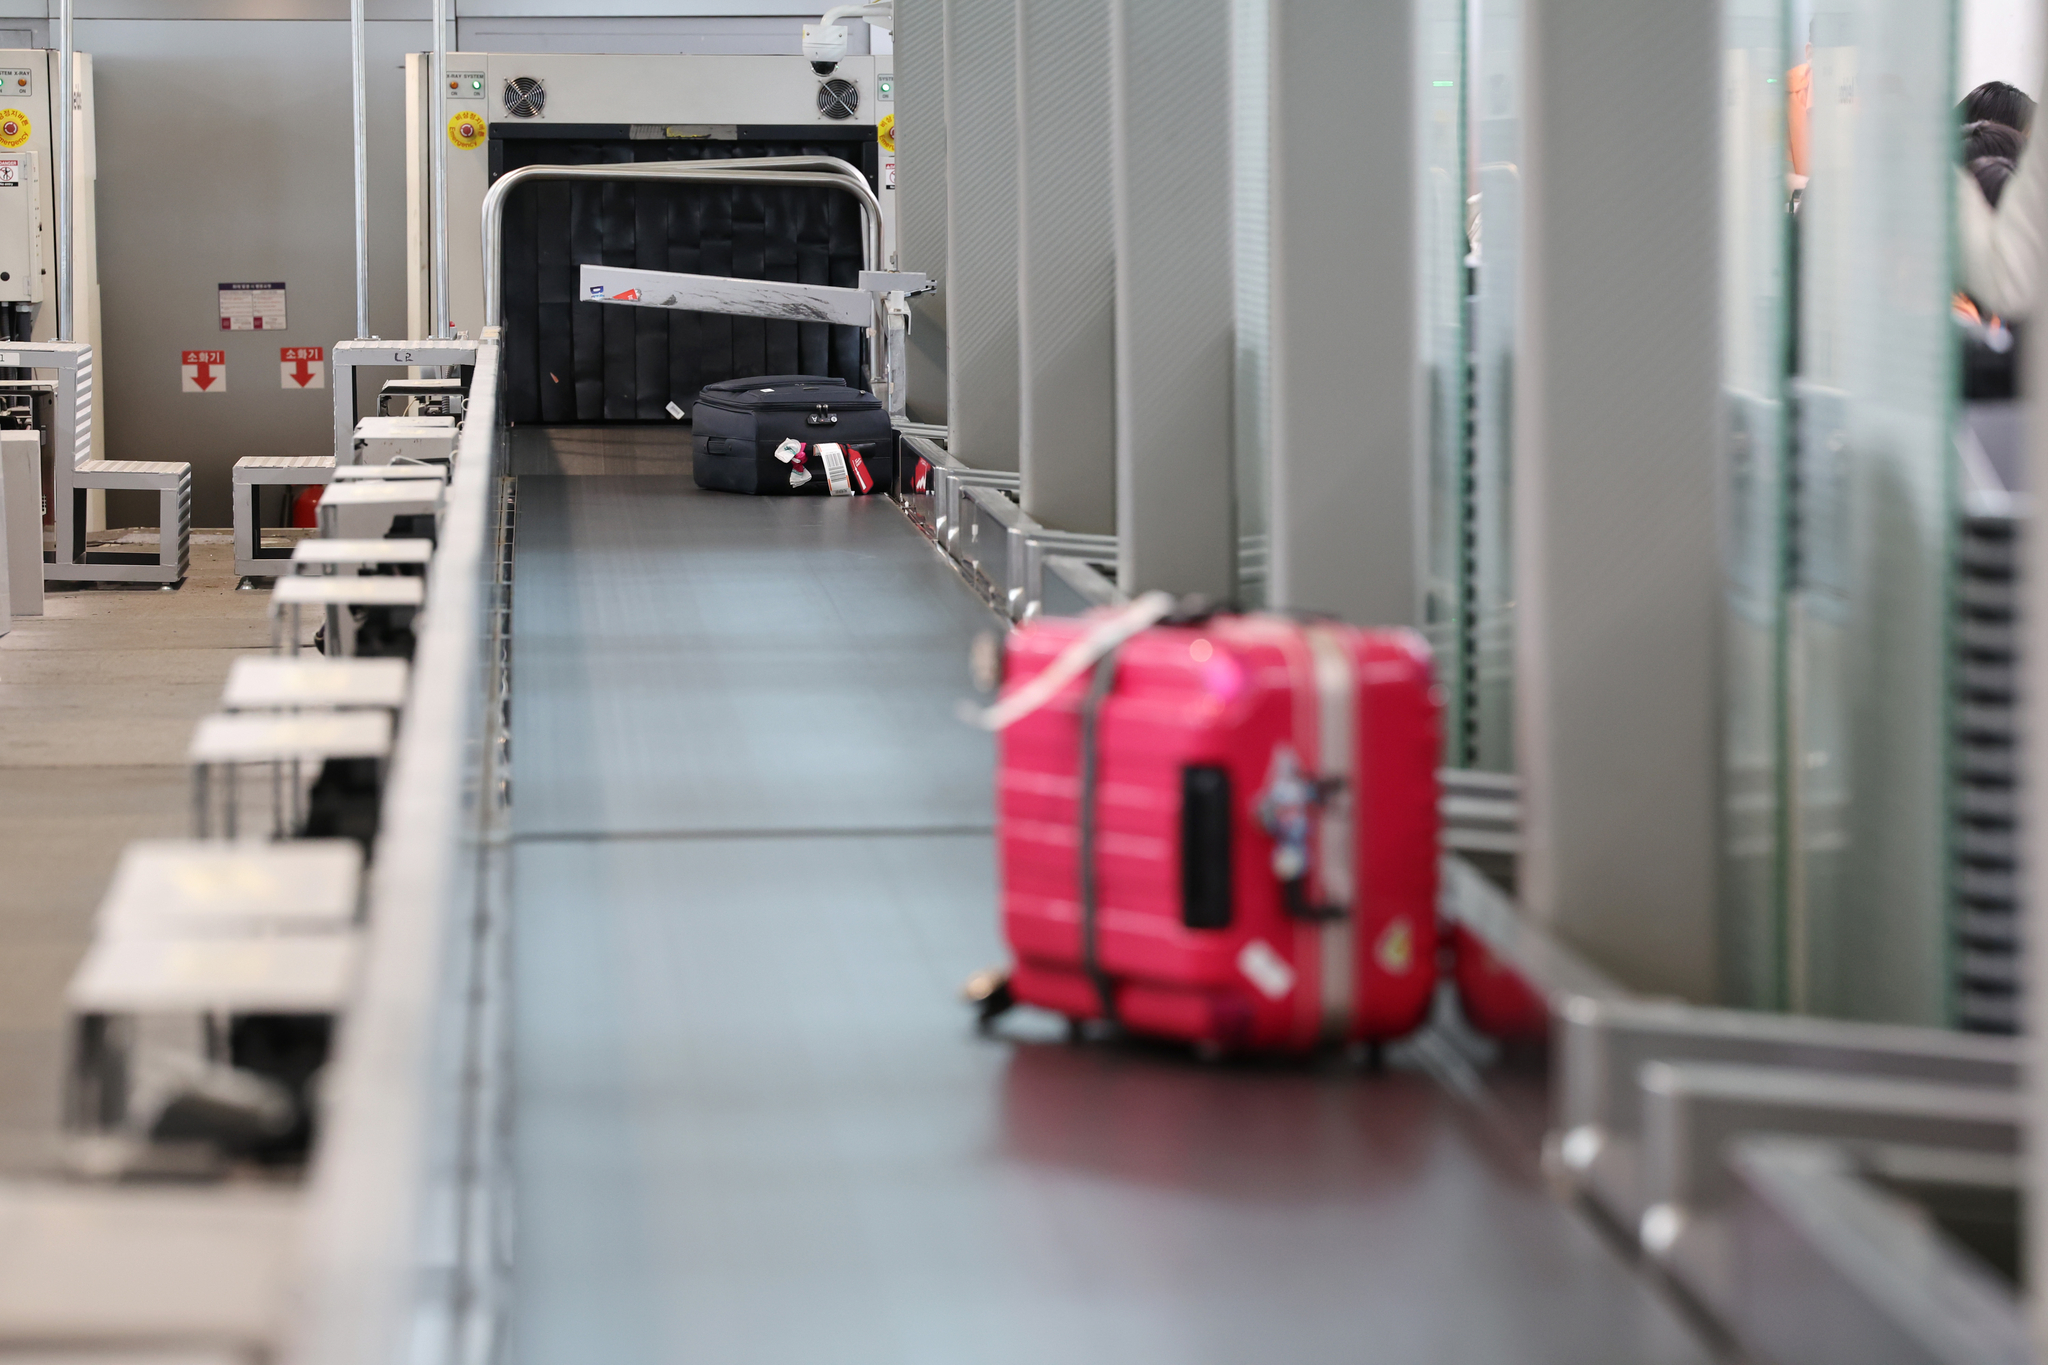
302, 367
204, 371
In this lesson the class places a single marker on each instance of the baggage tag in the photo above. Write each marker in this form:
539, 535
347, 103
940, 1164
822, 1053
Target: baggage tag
834, 456
860, 471
791, 453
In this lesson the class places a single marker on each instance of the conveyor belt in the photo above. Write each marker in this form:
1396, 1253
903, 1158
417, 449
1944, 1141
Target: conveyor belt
754, 1124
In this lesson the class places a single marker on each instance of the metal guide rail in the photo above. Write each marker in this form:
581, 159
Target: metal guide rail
399, 1246
1022, 569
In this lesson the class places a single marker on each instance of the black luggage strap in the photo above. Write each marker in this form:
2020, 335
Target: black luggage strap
1099, 685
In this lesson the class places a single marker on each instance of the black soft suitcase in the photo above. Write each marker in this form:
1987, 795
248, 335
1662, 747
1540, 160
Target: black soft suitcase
740, 425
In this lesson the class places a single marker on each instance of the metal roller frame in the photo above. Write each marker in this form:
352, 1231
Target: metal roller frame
824, 171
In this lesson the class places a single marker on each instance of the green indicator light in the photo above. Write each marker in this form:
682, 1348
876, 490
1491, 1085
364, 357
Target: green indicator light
476, 85
887, 88
1443, 85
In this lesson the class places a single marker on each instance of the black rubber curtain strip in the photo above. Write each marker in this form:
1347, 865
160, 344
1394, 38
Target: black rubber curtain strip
572, 361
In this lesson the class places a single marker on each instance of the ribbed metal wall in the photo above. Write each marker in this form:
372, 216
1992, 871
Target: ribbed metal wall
1066, 265
1344, 417
1175, 297
981, 230
920, 72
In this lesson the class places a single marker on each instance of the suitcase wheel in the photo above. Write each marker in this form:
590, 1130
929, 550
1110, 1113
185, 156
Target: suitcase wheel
989, 992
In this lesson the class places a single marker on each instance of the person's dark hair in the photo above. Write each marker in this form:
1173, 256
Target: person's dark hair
1992, 172
1998, 102
1985, 138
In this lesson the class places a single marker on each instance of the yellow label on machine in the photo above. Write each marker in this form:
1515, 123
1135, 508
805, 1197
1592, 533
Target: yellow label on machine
14, 127
466, 129
885, 132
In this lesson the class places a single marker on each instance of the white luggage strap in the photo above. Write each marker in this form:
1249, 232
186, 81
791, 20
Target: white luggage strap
1077, 658
1337, 704
1308, 815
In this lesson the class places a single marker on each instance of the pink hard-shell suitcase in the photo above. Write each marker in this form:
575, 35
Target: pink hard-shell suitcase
1494, 996
1223, 830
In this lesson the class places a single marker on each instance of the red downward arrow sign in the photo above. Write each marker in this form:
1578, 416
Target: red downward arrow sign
303, 375
203, 375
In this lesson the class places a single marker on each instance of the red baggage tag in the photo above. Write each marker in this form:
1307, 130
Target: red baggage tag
860, 472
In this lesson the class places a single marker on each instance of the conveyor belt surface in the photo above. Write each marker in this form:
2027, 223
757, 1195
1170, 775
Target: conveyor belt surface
754, 1123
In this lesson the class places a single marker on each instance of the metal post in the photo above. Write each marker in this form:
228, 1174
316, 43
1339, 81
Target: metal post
362, 138
1066, 266
1176, 274
437, 138
921, 197
66, 304
1342, 506
1618, 490
981, 231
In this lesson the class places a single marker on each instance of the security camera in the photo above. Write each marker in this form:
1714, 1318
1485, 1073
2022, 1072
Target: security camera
824, 46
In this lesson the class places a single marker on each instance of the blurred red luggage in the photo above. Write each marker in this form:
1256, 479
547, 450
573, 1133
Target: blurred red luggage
1224, 830
1494, 996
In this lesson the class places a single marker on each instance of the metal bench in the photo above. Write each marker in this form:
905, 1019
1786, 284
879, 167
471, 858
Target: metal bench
365, 508
197, 888
289, 744
348, 355
168, 1071
314, 684
325, 556
390, 473
254, 473
76, 472
335, 594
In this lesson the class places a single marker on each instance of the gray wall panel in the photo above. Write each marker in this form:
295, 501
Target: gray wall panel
1175, 300
223, 141
224, 155
1066, 265
1345, 397
1617, 485
981, 231
921, 195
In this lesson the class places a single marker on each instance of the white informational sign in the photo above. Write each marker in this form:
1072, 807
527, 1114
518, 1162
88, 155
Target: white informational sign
204, 371
252, 307
302, 367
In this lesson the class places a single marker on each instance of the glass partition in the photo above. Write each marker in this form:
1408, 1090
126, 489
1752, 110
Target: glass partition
1252, 255
1486, 739
1872, 511
1755, 323
1440, 128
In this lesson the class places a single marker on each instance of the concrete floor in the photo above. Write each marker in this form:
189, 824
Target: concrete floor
98, 698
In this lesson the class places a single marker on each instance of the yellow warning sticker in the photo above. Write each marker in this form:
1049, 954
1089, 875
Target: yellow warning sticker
14, 127
885, 132
466, 129
1395, 951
